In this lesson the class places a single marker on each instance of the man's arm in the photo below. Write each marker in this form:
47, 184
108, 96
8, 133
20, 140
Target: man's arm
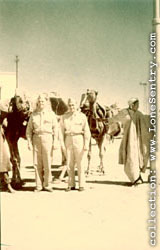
29, 132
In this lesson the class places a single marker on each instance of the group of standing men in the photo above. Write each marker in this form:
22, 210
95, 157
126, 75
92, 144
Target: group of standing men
43, 132
42, 135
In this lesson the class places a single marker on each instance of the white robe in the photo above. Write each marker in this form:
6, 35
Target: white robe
134, 148
5, 165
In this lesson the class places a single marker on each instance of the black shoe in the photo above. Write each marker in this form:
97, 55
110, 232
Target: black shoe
81, 189
70, 189
138, 181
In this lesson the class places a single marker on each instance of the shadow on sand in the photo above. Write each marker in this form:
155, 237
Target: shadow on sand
28, 181
118, 183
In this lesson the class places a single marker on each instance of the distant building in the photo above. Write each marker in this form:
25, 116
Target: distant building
7, 85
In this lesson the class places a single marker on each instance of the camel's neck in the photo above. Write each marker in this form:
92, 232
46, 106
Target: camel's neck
92, 104
93, 109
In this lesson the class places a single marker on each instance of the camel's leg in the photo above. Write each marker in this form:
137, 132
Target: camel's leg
102, 149
15, 160
64, 163
89, 157
64, 170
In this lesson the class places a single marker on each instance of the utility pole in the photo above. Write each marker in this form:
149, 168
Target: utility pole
16, 61
145, 101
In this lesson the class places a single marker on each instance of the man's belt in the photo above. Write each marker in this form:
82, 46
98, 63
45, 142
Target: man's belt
42, 133
73, 134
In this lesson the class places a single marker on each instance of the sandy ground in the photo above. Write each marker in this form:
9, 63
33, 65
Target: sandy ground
107, 215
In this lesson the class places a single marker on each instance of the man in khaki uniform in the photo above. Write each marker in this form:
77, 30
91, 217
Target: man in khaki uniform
76, 134
42, 126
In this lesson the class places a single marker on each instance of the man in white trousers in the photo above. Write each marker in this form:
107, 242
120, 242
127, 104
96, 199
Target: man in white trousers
76, 135
42, 131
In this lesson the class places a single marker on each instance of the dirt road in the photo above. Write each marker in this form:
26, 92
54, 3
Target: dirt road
109, 214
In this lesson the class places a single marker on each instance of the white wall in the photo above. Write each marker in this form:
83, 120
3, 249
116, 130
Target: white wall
7, 84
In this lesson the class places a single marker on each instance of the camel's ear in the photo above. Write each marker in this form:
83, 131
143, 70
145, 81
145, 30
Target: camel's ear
96, 92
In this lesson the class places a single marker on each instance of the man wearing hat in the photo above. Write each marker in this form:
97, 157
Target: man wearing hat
76, 135
134, 148
42, 133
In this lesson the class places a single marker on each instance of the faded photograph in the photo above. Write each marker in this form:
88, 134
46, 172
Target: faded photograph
78, 124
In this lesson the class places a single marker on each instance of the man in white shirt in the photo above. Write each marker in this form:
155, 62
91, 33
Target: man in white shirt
76, 134
42, 133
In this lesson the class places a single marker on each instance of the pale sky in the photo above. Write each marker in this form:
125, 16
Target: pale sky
68, 46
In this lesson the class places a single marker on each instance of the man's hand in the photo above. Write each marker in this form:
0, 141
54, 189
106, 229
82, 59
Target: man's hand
85, 148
